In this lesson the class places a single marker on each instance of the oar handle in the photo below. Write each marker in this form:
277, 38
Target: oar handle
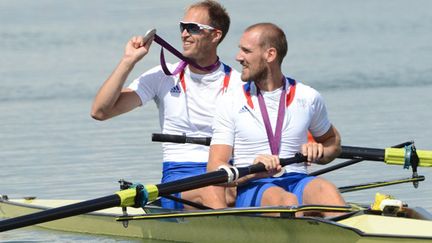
260, 167
159, 137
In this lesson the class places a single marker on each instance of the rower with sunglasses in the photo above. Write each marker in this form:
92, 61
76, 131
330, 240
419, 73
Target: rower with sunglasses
186, 98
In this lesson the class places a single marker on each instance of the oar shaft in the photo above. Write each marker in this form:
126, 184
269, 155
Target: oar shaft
191, 183
379, 184
59, 213
349, 152
394, 156
351, 161
335, 167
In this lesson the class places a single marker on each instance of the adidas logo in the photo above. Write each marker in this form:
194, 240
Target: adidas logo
175, 90
243, 109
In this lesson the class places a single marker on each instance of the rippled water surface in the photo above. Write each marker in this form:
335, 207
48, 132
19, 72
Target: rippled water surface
371, 60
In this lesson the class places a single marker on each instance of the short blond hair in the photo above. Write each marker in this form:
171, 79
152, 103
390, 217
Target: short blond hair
272, 36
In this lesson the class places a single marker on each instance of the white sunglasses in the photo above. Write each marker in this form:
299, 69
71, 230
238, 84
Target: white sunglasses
194, 28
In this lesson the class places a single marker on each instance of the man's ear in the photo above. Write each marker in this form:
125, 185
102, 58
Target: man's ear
217, 36
271, 54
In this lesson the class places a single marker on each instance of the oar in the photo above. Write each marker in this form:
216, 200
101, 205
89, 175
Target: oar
395, 156
139, 195
335, 167
351, 162
380, 184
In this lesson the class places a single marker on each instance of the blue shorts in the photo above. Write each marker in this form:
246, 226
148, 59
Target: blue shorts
173, 171
250, 194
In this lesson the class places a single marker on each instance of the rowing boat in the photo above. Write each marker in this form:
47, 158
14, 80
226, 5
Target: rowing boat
237, 224
387, 220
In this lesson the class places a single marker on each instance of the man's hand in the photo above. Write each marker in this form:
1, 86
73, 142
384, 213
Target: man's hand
136, 49
271, 163
313, 151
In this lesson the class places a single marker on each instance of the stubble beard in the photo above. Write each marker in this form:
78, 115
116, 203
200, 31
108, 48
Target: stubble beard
258, 76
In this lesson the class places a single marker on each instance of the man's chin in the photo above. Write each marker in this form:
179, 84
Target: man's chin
188, 52
244, 77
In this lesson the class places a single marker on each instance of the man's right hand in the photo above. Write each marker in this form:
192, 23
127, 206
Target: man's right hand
136, 49
271, 163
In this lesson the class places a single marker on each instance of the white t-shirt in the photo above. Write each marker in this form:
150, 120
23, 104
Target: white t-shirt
240, 125
190, 114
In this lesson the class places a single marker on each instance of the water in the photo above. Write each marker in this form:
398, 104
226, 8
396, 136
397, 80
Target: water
371, 60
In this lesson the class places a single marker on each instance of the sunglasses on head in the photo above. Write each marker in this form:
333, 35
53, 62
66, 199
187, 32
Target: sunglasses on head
193, 28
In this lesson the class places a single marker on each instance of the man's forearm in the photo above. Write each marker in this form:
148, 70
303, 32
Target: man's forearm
108, 95
332, 146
